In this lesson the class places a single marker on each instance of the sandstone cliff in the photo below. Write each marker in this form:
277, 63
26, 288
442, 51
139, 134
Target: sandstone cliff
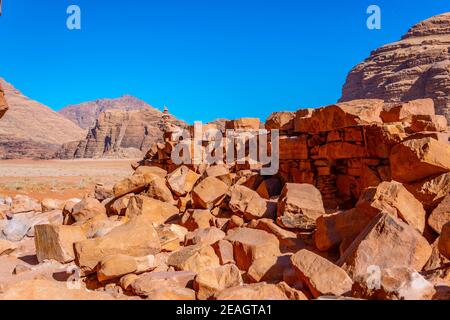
86, 114
29, 129
119, 134
417, 66
3, 104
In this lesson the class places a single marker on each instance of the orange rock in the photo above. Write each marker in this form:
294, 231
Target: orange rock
197, 219
444, 241
440, 216
136, 238
207, 236
182, 180
431, 191
404, 111
299, 206
209, 193
147, 283
88, 208
386, 242
247, 202
194, 258
341, 115
283, 121
224, 250
159, 212
320, 275
172, 294
116, 266
415, 160
334, 228
251, 244
269, 268
293, 148
256, 291
54, 242
158, 189
40, 289
341, 150
212, 280
393, 198
428, 123
243, 124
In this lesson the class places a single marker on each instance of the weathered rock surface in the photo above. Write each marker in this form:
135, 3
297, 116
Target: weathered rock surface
418, 66
25, 128
299, 206
393, 284
386, 242
119, 134
320, 275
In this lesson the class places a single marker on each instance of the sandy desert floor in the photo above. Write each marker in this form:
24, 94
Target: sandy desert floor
59, 179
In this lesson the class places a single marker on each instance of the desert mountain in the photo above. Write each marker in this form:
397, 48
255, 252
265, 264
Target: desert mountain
31, 129
417, 66
86, 114
120, 134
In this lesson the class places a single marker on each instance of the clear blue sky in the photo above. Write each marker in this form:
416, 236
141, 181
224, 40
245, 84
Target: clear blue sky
203, 58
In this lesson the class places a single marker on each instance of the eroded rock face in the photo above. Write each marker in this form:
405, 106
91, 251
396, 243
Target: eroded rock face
29, 128
3, 103
418, 66
119, 133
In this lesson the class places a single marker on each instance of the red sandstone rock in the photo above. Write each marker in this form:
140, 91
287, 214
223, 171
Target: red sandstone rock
299, 206
386, 242
416, 160
320, 275
251, 244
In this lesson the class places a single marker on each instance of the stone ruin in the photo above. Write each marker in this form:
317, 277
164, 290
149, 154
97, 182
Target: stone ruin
341, 149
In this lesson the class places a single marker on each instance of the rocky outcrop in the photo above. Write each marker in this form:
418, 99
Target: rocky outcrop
417, 66
119, 134
3, 103
30, 129
85, 114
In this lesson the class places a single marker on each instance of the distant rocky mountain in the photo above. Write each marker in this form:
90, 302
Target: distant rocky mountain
120, 134
417, 66
30, 129
86, 114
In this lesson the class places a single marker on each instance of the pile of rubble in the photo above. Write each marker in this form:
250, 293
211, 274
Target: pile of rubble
359, 209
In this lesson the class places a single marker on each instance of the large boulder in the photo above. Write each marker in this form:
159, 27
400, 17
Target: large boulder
182, 180
320, 275
212, 280
386, 242
299, 206
157, 211
251, 244
341, 115
392, 197
247, 202
135, 238
194, 258
406, 111
415, 160
209, 193
56, 242
88, 208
